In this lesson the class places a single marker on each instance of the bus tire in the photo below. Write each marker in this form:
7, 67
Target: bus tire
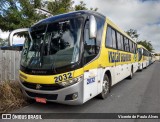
142, 67
105, 88
131, 74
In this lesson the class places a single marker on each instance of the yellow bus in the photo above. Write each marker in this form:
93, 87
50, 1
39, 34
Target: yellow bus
143, 57
73, 57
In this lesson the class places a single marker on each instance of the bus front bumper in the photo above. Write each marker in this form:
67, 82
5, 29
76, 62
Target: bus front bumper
71, 95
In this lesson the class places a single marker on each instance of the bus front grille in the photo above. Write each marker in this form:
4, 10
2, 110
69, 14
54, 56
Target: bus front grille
42, 86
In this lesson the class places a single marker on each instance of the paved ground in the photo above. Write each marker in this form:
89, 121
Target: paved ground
139, 95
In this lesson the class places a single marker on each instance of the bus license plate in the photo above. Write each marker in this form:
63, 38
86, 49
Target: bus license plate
40, 100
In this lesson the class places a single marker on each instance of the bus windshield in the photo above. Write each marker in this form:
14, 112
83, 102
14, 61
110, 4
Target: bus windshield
52, 45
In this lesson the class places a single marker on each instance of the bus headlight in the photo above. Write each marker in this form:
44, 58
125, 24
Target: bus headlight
71, 82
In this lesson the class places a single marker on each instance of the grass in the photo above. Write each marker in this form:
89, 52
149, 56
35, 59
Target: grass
11, 97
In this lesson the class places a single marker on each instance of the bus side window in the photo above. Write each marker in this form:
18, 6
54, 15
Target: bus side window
130, 46
126, 45
144, 52
119, 41
133, 48
135, 45
111, 38
122, 42
114, 39
89, 45
125, 49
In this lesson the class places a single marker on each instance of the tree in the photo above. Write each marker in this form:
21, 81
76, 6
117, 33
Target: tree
3, 42
147, 45
16, 14
19, 14
157, 54
94, 9
82, 6
60, 6
133, 33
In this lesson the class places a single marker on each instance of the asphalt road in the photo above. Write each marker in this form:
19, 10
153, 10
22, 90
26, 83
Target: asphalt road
139, 95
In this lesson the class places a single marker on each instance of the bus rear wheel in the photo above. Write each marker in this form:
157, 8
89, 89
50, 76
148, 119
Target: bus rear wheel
105, 87
141, 68
131, 74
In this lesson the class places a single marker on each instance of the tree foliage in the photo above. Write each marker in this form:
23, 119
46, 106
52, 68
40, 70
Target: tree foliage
21, 13
3, 42
157, 54
147, 45
18, 14
60, 6
82, 6
133, 33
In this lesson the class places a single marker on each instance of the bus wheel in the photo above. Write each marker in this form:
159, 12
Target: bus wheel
142, 67
131, 74
105, 87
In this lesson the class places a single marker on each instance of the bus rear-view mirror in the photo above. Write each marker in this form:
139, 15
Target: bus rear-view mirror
92, 27
17, 36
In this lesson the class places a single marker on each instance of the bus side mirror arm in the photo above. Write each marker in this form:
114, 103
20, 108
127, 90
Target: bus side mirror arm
10, 38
